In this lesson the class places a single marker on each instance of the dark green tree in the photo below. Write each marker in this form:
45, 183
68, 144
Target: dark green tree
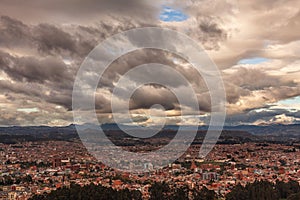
204, 194
181, 193
159, 191
90, 192
254, 191
294, 196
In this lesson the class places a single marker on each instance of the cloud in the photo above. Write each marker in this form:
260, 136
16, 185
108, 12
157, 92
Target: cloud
43, 45
51, 38
31, 69
78, 11
264, 117
255, 27
149, 95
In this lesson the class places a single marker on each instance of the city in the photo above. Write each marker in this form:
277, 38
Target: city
39, 167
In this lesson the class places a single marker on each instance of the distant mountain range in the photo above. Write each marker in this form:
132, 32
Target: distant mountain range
275, 129
278, 129
230, 134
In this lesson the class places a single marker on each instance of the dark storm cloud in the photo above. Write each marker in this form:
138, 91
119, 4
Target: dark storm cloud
31, 90
14, 33
211, 33
30, 69
263, 115
244, 81
77, 10
77, 41
150, 95
51, 38
139, 57
234, 92
253, 116
60, 98
43, 39
295, 114
253, 79
37, 92
42, 73
42, 45
256, 79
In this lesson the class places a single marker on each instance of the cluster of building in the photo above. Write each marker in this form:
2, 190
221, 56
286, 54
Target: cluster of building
31, 168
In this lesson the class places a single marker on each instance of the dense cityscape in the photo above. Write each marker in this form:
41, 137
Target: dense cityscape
39, 167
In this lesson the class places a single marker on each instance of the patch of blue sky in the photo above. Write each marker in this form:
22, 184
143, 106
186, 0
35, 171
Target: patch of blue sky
291, 101
169, 14
290, 104
253, 61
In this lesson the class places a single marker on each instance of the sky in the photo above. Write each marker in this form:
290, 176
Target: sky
255, 45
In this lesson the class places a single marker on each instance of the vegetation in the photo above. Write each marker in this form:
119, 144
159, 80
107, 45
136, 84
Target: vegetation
265, 190
259, 190
90, 192
158, 191
162, 191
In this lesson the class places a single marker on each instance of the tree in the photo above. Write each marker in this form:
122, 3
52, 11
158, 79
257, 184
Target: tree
90, 192
204, 194
286, 189
159, 191
238, 193
294, 196
181, 193
253, 191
